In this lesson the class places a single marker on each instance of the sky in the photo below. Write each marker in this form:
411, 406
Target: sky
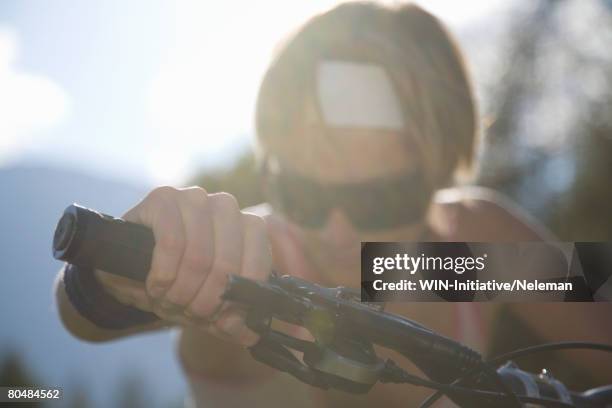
146, 91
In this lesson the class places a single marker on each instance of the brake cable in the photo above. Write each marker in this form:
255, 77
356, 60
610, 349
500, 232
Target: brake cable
565, 345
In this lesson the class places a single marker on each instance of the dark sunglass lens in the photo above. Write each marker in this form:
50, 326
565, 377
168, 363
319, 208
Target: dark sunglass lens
369, 214
302, 201
386, 205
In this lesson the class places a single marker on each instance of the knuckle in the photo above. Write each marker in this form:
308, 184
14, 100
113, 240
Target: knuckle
196, 261
224, 267
172, 242
157, 203
224, 200
254, 222
195, 194
162, 192
195, 189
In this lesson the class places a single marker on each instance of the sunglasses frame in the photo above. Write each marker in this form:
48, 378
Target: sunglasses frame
378, 204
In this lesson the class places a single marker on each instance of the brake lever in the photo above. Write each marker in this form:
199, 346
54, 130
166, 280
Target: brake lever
345, 331
349, 366
279, 357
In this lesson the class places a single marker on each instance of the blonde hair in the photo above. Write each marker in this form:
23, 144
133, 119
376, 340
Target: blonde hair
419, 55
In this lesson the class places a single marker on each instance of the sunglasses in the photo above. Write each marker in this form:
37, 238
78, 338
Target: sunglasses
373, 205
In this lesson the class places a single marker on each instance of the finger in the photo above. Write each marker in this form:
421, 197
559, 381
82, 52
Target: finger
170, 317
231, 326
124, 290
199, 249
110, 281
256, 255
227, 225
160, 212
229, 320
136, 298
257, 258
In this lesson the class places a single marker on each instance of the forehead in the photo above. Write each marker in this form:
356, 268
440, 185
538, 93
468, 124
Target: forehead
348, 128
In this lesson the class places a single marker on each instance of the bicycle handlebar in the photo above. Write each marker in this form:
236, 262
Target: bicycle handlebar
87, 238
345, 329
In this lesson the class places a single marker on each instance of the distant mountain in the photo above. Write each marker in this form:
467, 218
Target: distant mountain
31, 201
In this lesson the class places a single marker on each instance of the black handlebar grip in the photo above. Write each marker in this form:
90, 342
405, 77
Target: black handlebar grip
87, 238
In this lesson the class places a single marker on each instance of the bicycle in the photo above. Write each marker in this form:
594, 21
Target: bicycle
344, 329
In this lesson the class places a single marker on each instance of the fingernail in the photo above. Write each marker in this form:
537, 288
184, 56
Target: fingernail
231, 324
189, 314
249, 338
157, 291
170, 307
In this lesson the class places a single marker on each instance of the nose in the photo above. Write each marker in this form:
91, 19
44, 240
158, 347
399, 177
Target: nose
339, 231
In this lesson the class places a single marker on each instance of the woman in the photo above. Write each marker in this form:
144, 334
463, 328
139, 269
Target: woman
364, 119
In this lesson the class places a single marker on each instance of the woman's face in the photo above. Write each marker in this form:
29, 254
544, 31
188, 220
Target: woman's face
335, 156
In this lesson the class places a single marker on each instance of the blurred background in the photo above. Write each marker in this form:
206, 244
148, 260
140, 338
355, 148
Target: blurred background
100, 101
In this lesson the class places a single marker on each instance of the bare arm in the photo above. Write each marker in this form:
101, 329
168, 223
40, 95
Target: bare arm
200, 239
83, 329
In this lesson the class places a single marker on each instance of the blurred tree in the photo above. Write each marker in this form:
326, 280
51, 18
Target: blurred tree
242, 180
548, 146
506, 159
77, 396
587, 214
131, 392
13, 372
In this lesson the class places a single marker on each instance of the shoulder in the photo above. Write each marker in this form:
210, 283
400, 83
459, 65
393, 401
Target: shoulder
473, 213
